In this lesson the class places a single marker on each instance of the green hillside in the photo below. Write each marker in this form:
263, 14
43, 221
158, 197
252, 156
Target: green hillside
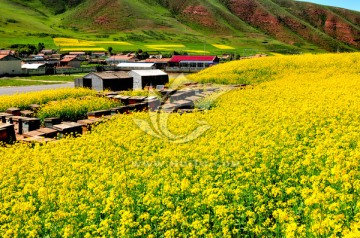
253, 25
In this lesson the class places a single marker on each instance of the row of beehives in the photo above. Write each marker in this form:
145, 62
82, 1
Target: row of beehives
28, 129
20, 125
170, 100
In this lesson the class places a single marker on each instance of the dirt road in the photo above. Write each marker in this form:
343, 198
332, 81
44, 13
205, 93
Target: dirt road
25, 89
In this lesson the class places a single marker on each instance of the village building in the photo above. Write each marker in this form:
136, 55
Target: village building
117, 59
70, 61
56, 56
143, 78
191, 63
122, 80
77, 54
10, 65
135, 66
47, 52
7, 52
100, 81
33, 69
98, 54
159, 63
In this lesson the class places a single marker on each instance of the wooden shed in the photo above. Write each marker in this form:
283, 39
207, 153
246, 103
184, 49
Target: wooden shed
100, 81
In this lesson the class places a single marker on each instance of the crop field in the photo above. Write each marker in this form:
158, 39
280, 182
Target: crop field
73, 109
223, 47
22, 101
72, 44
279, 159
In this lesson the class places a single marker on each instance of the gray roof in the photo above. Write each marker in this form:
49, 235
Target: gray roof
110, 75
153, 72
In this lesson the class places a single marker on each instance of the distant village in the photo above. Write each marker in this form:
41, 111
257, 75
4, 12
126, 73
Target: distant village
48, 62
106, 72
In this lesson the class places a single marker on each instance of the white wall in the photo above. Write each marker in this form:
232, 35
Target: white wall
11, 67
137, 82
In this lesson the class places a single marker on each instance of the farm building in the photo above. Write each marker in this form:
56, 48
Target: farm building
47, 52
77, 54
7, 52
159, 63
100, 81
10, 65
144, 78
135, 66
117, 59
191, 63
70, 61
33, 68
98, 54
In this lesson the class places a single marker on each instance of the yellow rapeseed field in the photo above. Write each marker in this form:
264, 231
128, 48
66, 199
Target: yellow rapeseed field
279, 67
72, 42
74, 109
223, 47
91, 49
280, 160
23, 100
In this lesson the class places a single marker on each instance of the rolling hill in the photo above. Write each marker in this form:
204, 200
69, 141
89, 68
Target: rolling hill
261, 24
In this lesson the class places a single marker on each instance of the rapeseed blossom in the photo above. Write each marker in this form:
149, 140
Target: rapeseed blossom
281, 160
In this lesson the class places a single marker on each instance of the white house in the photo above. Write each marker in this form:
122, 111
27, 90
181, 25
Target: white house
10, 65
151, 77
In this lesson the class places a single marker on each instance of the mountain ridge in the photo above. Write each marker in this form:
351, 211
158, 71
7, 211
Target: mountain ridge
296, 24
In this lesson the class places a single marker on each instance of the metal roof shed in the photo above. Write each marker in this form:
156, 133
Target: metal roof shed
32, 66
100, 81
142, 78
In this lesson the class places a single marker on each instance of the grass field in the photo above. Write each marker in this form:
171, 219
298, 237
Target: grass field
21, 82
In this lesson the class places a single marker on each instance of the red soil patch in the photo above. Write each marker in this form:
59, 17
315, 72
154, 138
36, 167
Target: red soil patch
200, 15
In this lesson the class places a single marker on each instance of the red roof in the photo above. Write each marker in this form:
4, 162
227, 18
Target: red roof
121, 57
5, 52
2, 56
179, 58
68, 59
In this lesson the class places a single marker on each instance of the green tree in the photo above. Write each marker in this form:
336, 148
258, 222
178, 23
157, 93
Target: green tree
110, 49
40, 47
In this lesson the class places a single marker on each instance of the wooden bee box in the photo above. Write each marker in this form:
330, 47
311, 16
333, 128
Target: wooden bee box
98, 114
14, 111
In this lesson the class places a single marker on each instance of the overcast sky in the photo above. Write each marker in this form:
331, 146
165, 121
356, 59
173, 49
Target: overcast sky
349, 4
